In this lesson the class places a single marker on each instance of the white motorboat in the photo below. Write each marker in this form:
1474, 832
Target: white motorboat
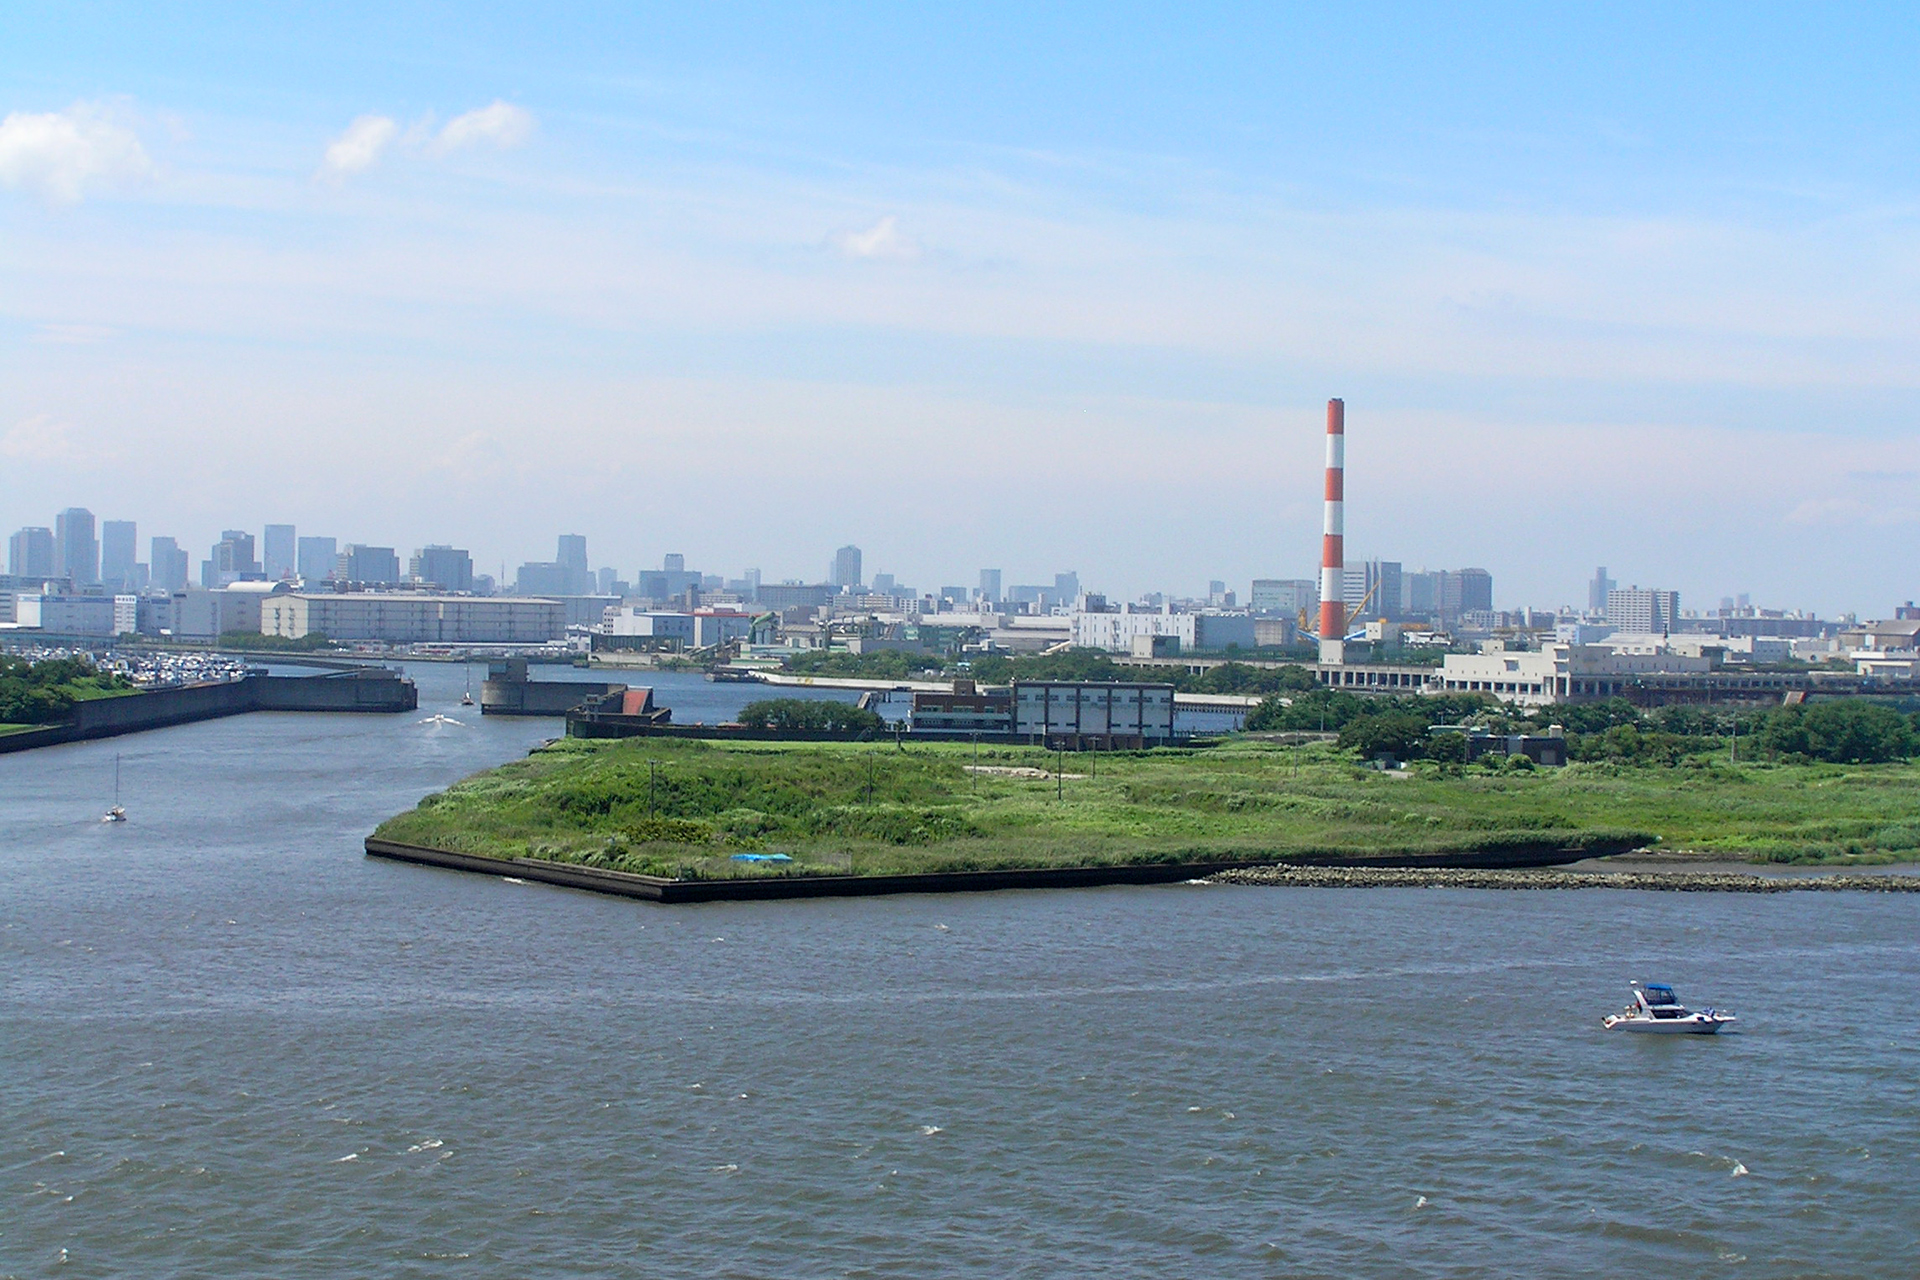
1656, 1009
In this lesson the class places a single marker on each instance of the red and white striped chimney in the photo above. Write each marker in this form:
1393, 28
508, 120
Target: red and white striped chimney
1333, 587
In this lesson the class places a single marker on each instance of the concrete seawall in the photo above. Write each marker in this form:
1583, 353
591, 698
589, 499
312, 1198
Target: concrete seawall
370, 689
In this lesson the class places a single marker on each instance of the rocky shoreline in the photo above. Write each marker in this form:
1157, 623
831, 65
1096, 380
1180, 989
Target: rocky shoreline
1672, 881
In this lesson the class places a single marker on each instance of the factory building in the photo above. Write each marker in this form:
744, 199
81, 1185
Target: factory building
1116, 632
410, 618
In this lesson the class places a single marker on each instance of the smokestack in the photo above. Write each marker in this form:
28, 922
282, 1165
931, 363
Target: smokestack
1333, 587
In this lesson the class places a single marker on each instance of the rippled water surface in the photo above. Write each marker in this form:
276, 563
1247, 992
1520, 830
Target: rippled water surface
231, 1045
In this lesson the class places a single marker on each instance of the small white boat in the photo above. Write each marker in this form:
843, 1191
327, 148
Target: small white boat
1656, 1009
116, 813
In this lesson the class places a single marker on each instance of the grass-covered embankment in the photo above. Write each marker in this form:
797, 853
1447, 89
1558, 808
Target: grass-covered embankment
872, 809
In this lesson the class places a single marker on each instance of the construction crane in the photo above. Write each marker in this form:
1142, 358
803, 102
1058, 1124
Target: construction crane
1348, 617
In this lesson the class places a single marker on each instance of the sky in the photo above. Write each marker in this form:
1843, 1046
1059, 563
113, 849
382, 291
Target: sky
1035, 287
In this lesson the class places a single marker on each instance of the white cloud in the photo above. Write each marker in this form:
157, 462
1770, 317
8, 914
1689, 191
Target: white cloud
39, 439
883, 239
360, 146
73, 335
63, 154
500, 124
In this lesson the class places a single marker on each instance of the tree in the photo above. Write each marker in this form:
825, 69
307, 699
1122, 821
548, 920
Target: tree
1402, 735
801, 715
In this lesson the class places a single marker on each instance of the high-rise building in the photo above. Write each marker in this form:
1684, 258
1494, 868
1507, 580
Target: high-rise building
168, 564
279, 550
1464, 591
1376, 584
76, 551
30, 553
990, 586
846, 568
448, 568
674, 562
375, 566
314, 558
119, 552
1657, 612
232, 560
1597, 590
572, 557
1066, 587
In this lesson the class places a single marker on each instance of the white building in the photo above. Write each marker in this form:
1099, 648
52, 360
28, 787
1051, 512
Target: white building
415, 618
1116, 632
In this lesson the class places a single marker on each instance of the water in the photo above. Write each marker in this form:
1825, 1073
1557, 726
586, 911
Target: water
231, 1045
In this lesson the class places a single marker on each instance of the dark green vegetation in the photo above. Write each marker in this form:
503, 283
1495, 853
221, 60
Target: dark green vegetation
808, 715
1844, 731
884, 664
44, 692
313, 642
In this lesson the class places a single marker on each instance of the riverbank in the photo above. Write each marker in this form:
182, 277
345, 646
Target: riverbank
1670, 880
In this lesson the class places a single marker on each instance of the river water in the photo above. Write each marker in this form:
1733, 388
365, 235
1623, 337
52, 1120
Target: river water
230, 1045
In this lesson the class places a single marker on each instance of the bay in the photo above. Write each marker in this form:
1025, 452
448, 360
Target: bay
230, 1044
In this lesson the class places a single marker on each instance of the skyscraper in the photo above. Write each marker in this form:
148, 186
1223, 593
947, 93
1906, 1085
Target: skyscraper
119, 552
167, 565
990, 586
572, 557
76, 552
30, 553
448, 568
846, 568
1066, 587
374, 566
1597, 590
314, 559
231, 561
279, 551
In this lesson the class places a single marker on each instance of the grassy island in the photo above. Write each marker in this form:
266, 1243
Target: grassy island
684, 809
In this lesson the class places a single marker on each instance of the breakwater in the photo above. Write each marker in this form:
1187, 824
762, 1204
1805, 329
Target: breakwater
1670, 881
369, 689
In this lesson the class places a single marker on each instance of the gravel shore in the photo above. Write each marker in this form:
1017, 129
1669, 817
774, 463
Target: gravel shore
1673, 881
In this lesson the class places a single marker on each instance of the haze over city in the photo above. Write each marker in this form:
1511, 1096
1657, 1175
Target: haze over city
1041, 292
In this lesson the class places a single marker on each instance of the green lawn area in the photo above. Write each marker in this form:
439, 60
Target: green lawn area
91, 688
872, 808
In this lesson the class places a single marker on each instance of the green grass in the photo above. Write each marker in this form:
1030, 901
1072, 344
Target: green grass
872, 809
92, 688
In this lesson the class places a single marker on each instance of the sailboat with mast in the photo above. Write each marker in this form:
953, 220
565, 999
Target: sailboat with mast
116, 813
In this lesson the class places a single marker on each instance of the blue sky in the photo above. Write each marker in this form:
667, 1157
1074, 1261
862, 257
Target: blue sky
978, 286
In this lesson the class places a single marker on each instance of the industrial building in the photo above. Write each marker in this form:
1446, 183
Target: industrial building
1076, 715
633, 628
1116, 632
414, 618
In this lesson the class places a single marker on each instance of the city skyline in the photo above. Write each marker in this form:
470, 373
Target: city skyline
1141, 260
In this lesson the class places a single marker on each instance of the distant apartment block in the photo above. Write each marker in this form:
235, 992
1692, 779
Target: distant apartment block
1633, 609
